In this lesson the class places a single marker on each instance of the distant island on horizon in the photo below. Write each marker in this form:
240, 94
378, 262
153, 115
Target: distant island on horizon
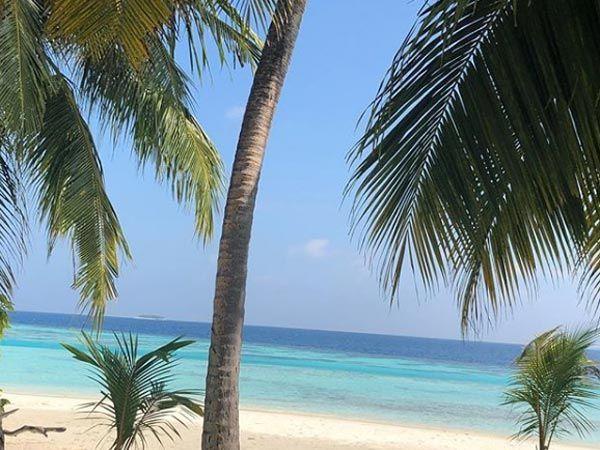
159, 318
150, 317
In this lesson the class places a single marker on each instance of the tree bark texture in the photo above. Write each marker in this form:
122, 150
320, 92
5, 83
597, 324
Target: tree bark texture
221, 419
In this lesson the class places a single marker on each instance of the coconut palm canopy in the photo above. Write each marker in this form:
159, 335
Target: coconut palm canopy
480, 164
61, 60
554, 383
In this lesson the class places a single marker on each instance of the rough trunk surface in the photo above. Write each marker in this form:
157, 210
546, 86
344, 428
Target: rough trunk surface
221, 419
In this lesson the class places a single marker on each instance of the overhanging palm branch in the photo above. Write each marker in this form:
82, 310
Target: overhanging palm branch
73, 200
228, 23
136, 398
98, 27
25, 77
554, 384
151, 106
12, 231
12, 217
480, 160
60, 56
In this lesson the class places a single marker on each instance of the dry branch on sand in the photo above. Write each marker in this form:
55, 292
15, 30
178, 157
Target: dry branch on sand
24, 429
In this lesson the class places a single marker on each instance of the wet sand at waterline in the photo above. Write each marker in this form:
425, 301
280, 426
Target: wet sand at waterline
260, 430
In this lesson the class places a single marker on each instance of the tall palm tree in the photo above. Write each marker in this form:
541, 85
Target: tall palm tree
554, 383
480, 163
137, 399
221, 420
115, 60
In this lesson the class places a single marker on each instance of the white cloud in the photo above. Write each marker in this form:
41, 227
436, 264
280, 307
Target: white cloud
235, 112
316, 248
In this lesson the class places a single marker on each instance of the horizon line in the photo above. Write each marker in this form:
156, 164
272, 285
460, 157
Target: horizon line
164, 318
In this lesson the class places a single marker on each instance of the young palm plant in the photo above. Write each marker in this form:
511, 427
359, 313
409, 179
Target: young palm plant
115, 61
136, 398
554, 383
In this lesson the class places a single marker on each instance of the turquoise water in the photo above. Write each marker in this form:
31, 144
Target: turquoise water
383, 378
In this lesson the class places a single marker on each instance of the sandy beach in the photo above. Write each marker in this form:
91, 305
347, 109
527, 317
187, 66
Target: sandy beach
260, 430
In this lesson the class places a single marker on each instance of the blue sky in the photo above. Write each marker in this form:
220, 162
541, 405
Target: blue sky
304, 270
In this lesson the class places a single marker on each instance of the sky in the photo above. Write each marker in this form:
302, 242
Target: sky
304, 269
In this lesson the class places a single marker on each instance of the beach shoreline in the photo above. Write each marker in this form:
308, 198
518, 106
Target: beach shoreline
261, 429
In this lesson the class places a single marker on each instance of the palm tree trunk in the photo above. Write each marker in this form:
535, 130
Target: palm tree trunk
221, 419
542, 439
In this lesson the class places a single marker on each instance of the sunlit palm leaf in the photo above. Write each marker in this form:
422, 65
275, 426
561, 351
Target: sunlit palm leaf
136, 398
142, 94
480, 157
73, 199
151, 105
25, 77
99, 25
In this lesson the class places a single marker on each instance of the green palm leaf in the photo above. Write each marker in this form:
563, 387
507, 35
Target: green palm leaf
151, 105
121, 57
99, 25
136, 398
12, 230
480, 162
73, 199
252, 12
227, 24
25, 79
554, 385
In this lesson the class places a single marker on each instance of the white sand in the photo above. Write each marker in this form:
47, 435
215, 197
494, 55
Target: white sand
260, 430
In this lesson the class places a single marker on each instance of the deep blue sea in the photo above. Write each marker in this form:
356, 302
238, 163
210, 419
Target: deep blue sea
394, 379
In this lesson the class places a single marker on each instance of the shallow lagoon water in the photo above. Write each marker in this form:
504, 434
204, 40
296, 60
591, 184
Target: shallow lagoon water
395, 379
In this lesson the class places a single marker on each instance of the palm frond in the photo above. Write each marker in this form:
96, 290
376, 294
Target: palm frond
254, 12
26, 78
13, 229
228, 25
538, 342
73, 200
479, 161
151, 105
123, 54
99, 25
136, 398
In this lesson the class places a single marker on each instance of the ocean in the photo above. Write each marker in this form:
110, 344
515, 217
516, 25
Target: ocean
395, 379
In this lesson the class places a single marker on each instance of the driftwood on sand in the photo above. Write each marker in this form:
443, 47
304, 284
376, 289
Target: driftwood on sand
24, 429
